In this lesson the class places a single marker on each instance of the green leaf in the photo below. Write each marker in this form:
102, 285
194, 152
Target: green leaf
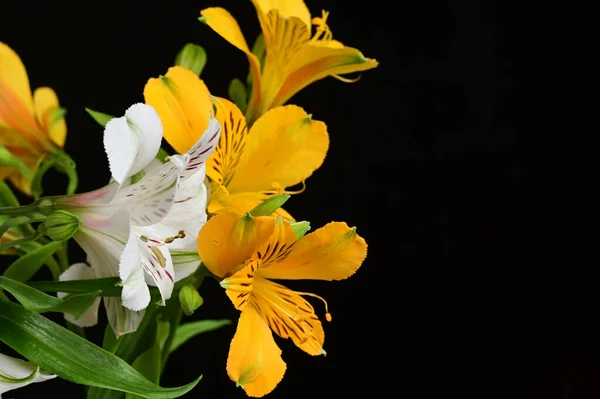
300, 228
7, 197
59, 351
192, 57
108, 286
266, 208
110, 341
238, 94
99, 117
27, 265
37, 301
190, 330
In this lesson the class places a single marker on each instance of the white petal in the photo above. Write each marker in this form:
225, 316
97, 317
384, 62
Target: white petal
132, 141
103, 240
81, 271
158, 266
122, 320
11, 368
184, 263
150, 199
136, 295
199, 153
188, 214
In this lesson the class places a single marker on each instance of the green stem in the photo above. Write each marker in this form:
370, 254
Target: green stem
54, 267
16, 221
20, 241
175, 321
63, 256
44, 206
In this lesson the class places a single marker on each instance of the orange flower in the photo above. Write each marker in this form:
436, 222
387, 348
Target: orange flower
283, 148
31, 127
293, 59
247, 252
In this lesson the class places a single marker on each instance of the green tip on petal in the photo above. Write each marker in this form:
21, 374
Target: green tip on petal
300, 228
202, 19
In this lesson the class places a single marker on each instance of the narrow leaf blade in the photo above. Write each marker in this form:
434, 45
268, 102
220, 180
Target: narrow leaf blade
189, 330
59, 351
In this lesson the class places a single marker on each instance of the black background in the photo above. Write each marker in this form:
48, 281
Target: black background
466, 160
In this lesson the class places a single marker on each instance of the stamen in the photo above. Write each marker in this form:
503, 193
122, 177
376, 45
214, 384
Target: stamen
347, 80
180, 234
327, 314
322, 31
278, 189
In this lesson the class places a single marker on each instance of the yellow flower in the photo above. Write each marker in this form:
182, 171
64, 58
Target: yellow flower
293, 59
283, 148
247, 252
31, 127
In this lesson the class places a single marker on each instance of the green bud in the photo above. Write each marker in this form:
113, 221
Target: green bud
60, 225
300, 228
192, 57
189, 299
266, 208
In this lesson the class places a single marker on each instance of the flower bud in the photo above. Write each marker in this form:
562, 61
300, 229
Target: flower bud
190, 299
60, 225
192, 57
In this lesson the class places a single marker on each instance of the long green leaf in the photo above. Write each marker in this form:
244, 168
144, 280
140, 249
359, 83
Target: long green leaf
37, 301
190, 330
59, 351
27, 265
108, 286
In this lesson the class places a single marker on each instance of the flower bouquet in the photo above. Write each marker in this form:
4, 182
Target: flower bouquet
205, 203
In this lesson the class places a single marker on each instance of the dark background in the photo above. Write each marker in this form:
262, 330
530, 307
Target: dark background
466, 160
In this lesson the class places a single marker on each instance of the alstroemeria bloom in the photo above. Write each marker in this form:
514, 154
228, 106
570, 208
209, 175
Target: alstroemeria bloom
283, 148
293, 59
16, 373
247, 252
31, 127
131, 229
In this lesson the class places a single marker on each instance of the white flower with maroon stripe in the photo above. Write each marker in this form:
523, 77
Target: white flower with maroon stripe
129, 228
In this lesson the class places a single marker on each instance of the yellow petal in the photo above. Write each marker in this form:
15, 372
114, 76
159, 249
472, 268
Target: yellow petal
289, 315
183, 103
14, 83
223, 23
238, 287
317, 61
284, 147
284, 37
228, 239
15, 142
254, 361
333, 252
46, 104
16, 104
279, 244
287, 8
222, 201
221, 165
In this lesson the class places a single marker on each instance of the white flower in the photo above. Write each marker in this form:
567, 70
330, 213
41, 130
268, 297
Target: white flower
16, 373
129, 229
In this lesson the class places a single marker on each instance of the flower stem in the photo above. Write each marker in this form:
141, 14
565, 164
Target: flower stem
16, 221
20, 241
